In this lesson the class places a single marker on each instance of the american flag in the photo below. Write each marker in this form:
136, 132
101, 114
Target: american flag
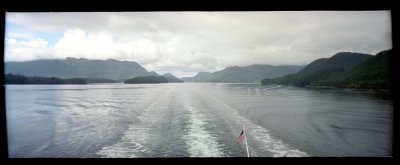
241, 137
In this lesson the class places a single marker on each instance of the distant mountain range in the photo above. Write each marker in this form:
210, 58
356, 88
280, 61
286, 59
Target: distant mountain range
172, 79
343, 70
18, 79
108, 70
147, 80
92, 70
83, 68
247, 74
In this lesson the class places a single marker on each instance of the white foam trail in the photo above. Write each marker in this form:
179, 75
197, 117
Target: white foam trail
201, 142
130, 145
272, 87
262, 135
258, 91
276, 147
127, 148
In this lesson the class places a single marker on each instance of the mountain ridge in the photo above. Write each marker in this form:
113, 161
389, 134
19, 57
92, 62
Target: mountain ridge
342, 70
244, 74
73, 67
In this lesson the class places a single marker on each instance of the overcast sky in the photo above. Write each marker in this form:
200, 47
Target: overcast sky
184, 43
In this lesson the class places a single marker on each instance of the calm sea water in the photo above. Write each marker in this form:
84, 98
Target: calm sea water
195, 120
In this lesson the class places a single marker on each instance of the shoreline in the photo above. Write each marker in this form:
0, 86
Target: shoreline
348, 89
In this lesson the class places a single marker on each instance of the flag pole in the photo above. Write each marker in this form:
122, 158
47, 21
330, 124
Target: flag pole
245, 138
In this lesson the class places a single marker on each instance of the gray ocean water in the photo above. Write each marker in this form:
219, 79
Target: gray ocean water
195, 120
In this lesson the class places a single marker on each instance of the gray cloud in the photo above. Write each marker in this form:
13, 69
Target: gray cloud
188, 42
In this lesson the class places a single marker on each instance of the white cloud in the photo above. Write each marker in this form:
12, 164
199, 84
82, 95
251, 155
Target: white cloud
38, 43
11, 41
22, 35
26, 50
76, 43
189, 42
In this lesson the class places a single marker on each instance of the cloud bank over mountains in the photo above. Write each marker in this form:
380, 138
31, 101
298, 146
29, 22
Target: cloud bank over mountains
184, 43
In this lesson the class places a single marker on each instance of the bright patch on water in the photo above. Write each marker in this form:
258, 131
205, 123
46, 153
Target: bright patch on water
127, 148
262, 135
130, 146
186, 120
201, 142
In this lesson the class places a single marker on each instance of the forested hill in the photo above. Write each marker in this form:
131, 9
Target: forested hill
374, 73
247, 74
147, 80
171, 78
72, 67
19, 79
343, 70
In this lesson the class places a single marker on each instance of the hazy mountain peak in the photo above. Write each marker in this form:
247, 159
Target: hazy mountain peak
172, 78
203, 73
322, 69
154, 73
245, 74
168, 75
71, 68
